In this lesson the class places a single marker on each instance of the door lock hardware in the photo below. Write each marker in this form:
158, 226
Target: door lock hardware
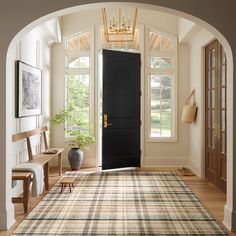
105, 121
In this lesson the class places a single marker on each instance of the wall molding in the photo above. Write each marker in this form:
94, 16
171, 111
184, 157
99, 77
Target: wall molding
49, 31
191, 33
202, 36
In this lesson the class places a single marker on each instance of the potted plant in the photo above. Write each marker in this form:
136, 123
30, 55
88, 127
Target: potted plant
78, 132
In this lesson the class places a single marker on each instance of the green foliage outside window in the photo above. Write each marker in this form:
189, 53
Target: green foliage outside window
78, 96
76, 115
160, 120
158, 62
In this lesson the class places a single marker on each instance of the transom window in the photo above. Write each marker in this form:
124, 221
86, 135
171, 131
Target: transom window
161, 74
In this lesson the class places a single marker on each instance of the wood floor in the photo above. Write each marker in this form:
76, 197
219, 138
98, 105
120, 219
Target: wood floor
211, 197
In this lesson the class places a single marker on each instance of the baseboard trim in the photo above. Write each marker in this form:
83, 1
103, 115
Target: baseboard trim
164, 162
7, 218
194, 166
229, 218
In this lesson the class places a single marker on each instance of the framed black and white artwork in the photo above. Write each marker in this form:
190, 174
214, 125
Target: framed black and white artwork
29, 90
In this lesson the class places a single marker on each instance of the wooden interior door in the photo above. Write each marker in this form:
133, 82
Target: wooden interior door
121, 110
216, 114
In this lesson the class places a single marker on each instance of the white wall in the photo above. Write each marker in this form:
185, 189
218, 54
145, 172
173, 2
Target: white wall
34, 49
187, 29
154, 154
197, 80
196, 38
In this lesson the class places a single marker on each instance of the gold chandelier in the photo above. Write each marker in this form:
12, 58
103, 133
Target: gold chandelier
119, 28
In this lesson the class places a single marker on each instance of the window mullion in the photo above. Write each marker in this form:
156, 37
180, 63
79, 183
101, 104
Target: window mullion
161, 53
78, 53
78, 71
158, 71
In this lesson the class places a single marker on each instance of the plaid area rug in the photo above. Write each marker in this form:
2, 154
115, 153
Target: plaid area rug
120, 203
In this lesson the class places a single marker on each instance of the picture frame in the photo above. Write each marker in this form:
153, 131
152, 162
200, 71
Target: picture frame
28, 90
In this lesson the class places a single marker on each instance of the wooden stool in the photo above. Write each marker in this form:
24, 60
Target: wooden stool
67, 180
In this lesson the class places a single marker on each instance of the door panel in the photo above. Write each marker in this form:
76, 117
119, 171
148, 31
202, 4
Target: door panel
211, 142
121, 107
216, 107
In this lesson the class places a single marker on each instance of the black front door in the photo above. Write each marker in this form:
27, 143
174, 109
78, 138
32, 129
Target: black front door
121, 110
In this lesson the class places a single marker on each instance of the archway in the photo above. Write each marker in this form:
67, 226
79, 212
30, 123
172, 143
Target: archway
6, 210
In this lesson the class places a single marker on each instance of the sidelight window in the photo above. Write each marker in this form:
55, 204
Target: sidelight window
78, 74
161, 75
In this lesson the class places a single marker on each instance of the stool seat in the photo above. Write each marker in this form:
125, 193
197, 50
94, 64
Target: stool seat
67, 180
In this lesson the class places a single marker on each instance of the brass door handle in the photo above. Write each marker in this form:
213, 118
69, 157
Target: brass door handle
105, 121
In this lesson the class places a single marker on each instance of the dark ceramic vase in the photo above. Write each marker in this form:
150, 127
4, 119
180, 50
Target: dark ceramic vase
75, 156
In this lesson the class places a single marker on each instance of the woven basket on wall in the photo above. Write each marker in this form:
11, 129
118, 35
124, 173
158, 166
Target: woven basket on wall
189, 109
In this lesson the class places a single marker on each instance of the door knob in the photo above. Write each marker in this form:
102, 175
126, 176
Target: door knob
105, 123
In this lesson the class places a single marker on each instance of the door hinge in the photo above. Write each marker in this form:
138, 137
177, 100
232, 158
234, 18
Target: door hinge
140, 94
140, 152
140, 123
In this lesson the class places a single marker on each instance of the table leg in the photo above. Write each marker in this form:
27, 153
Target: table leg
26, 183
59, 164
70, 187
46, 176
